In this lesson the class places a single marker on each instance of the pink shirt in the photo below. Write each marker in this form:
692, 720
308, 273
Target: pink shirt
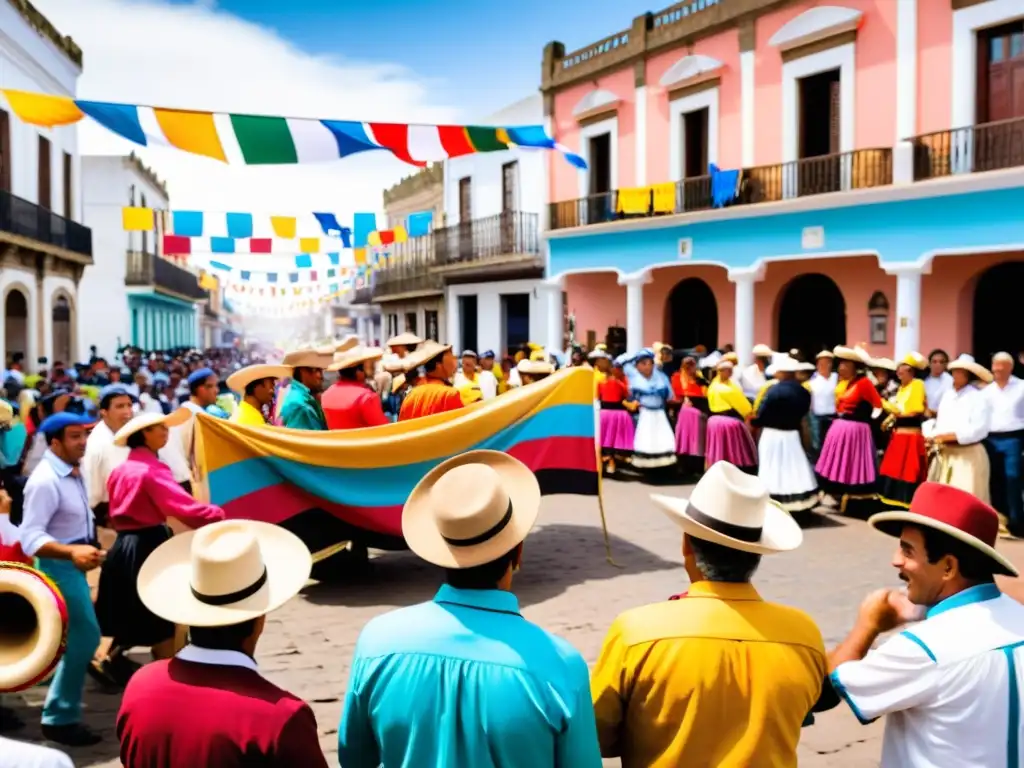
143, 493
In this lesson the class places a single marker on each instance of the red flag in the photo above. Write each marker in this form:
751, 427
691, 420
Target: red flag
260, 245
176, 245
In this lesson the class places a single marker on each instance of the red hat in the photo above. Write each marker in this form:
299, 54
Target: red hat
955, 512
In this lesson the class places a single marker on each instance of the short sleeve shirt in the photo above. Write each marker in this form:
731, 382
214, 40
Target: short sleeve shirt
952, 694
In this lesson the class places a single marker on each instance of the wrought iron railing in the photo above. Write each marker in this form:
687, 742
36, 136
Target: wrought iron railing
408, 269
21, 217
767, 183
985, 147
480, 240
147, 269
363, 295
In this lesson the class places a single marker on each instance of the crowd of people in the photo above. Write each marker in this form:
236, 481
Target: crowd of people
198, 597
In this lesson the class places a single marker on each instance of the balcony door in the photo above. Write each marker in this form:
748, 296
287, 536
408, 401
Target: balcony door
696, 195
62, 329
509, 203
1000, 98
599, 179
5, 152
819, 168
465, 219
45, 199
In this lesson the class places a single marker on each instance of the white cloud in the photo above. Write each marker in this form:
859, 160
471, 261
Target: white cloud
150, 52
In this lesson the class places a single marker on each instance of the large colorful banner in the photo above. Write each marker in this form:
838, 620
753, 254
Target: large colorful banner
364, 476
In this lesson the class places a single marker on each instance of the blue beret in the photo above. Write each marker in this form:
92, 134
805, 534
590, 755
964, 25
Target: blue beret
53, 424
488, 354
201, 375
115, 390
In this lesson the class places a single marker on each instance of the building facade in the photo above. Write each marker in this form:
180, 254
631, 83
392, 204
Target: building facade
490, 257
132, 295
44, 247
793, 172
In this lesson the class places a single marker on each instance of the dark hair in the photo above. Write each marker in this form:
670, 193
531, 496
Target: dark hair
484, 576
349, 374
723, 564
937, 351
229, 638
108, 400
300, 371
193, 388
974, 566
56, 434
137, 439
433, 362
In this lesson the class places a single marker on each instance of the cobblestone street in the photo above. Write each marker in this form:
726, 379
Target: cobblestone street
567, 586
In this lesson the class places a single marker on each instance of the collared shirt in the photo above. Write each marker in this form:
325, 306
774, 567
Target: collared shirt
1007, 405
936, 387
464, 681
721, 678
823, 394
351, 405
751, 379
56, 506
300, 409
102, 457
248, 415
429, 397
952, 695
964, 413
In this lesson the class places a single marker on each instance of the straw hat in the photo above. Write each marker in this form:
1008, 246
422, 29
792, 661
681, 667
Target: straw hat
762, 350
809, 367
824, 353
785, 364
660, 345
966, 363
397, 382
731, 508
853, 354
404, 340
146, 420
356, 356
732, 357
321, 357
884, 363
599, 354
535, 367
6, 414
724, 363
224, 573
471, 509
240, 379
957, 513
424, 353
349, 342
915, 360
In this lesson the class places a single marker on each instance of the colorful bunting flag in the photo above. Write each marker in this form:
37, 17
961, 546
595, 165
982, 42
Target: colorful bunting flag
239, 225
175, 245
222, 245
187, 223
328, 223
419, 224
138, 219
261, 245
363, 224
285, 227
304, 260
309, 244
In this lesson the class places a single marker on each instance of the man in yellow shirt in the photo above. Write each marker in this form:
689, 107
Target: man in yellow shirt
255, 385
718, 677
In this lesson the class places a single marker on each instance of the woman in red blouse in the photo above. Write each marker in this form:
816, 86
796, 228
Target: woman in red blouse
617, 427
846, 466
690, 388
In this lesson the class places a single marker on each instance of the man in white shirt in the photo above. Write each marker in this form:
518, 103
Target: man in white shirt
752, 377
1006, 441
938, 382
950, 684
823, 399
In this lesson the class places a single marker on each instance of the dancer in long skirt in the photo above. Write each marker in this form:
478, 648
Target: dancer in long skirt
690, 388
883, 371
846, 466
654, 444
905, 464
782, 463
728, 437
616, 419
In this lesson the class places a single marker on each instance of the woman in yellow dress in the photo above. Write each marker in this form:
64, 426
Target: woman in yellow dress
728, 438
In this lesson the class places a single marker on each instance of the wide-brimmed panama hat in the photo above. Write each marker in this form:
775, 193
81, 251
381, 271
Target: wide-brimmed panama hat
853, 354
404, 340
320, 357
809, 367
957, 513
824, 353
224, 573
724, 363
967, 363
915, 360
240, 379
884, 363
785, 364
354, 357
397, 382
424, 353
535, 367
147, 420
731, 508
349, 342
471, 509
762, 350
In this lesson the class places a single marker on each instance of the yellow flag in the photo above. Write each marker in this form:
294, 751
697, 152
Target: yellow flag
360, 255
309, 245
284, 226
401, 235
137, 219
43, 109
207, 281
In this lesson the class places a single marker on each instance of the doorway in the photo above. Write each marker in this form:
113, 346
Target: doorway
695, 143
812, 315
465, 219
819, 133
995, 292
599, 179
468, 322
61, 321
516, 319
692, 315
15, 324
999, 111
509, 204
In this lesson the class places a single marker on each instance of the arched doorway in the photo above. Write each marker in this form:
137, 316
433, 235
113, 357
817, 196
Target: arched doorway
812, 315
996, 293
15, 325
62, 341
692, 315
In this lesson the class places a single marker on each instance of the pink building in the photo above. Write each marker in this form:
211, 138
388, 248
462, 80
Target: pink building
869, 184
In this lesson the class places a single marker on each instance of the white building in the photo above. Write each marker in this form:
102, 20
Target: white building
131, 295
43, 246
490, 251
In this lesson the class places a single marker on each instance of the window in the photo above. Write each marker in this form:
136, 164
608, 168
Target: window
695, 143
468, 322
430, 323
68, 199
392, 324
145, 234
600, 177
509, 186
465, 200
516, 316
819, 135
1000, 90
410, 322
45, 197
5, 152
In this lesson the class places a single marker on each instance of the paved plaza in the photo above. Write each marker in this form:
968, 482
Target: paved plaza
567, 586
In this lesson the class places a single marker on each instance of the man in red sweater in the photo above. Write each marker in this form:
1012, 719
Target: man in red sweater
349, 403
434, 392
210, 706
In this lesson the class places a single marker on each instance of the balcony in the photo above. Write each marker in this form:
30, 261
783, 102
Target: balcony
27, 220
985, 147
362, 295
509, 241
408, 272
146, 270
842, 172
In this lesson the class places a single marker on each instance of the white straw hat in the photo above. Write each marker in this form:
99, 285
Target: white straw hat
535, 367
240, 379
404, 340
762, 350
853, 354
967, 363
147, 420
424, 353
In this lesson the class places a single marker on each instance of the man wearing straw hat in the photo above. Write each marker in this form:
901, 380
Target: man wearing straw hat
950, 683
349, 403
255, 385
300, 408
434, 393
719, 677
303, 353
464, 680
210, 706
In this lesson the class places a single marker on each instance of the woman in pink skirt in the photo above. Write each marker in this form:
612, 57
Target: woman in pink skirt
728, 437
691, 389
617, 428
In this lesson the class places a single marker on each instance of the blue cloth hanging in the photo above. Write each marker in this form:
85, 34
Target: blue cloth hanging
723, 186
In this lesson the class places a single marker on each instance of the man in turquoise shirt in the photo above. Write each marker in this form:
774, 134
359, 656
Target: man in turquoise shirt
301, 408
464, 681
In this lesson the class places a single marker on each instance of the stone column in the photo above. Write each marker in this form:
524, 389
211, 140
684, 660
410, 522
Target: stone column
635, 308
744, 281
908, 307
555, 336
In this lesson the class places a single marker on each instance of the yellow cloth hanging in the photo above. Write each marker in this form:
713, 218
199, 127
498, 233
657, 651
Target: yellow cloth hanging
664, 197
137, 219
634, 200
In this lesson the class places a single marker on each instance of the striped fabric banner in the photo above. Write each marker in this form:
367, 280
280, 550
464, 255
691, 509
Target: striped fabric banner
363, 477
268, 140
